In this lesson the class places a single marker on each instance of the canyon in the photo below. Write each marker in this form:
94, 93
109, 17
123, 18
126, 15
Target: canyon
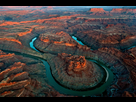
80, 47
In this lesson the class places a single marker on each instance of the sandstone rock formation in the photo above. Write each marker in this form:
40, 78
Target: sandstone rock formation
100, 10
122, 10
108, 37
117, 36
21, 77
75, 72
58, 43
124, 80
16, 82
75, 63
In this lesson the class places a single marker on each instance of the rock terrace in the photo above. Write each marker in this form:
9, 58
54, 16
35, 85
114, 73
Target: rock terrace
76, 73
109, 37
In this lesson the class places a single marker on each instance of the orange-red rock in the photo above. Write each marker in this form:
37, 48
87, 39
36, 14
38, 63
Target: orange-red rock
10, 39
97, 10
6, 56
12, 80
24, 33
75, 63
121, 10
16, 68
9, 23
96, 29
75, 72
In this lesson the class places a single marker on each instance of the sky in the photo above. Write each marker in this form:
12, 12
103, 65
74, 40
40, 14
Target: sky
50, 7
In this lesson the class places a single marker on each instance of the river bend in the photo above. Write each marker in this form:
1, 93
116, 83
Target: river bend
63, 90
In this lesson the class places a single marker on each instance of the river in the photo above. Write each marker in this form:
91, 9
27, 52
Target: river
80, 42
77, 40
63, 90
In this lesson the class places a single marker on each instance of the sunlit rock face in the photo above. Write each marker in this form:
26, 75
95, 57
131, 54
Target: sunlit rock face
97, 10
75, 72
16, 82
122, 10
56, 43
119, 36
74, 63
21, 77
107, 34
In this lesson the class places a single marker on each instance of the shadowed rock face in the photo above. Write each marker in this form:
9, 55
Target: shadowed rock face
55, 43
74, 63
121, 10
21, 77
109, 34
16, 82
8, 18
75, 72
118, 36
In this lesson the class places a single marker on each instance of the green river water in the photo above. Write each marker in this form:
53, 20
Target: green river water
63, 90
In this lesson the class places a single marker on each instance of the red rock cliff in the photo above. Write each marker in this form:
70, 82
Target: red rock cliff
97, 10
121, 10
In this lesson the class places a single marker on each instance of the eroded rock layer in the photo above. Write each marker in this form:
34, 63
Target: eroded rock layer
117, 36
75, 72
55, 43
14, 80
23, 77
108, 36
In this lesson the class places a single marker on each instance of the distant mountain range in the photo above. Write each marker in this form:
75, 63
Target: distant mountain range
59, 7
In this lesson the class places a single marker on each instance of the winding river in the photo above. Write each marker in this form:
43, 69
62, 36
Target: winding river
77, 40
63, 90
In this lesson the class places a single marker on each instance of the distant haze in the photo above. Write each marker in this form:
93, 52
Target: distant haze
55, 7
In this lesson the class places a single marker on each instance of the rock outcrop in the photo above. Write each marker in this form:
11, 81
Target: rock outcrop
100, 10
75, 72
55, 43
16, 46
23, 77
75, 63
117, 36
108, 38
118, 63
16, 82
122, 10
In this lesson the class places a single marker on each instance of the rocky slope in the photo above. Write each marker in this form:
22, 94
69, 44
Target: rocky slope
55, 43
15, 81
75, 72
122, 10
64, 65
23, 77
117, 36
110, 36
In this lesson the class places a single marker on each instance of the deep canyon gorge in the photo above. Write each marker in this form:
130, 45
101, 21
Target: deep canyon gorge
77, 53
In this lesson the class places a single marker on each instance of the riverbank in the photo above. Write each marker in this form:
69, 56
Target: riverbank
61, 89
